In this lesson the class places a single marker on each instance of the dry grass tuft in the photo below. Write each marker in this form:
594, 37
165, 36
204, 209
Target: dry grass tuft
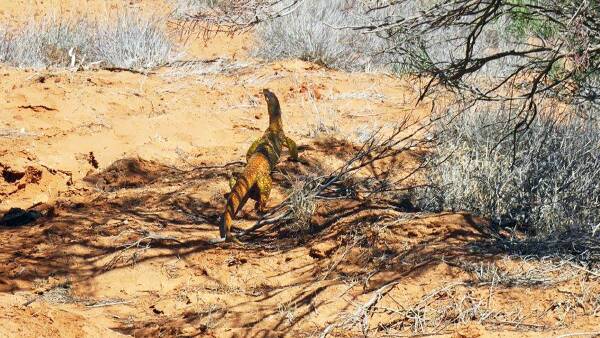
543, 181
130, 41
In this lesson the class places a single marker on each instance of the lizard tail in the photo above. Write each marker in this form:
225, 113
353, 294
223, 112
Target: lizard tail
236, 200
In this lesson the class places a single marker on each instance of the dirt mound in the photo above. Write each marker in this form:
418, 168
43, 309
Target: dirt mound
127, 173
27, 182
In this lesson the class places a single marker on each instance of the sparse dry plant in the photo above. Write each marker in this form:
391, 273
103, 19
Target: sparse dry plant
48, 42
302, 205
287, 311
15, 133
5, 43
133, 41
131, 252
130, 40
433, 313
232, 16
323, 125
307, 34
545, 181
519, 51
456, 303
60, 294
211, 315
520, 271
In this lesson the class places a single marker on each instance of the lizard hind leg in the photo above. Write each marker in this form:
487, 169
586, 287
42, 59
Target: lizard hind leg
264, 185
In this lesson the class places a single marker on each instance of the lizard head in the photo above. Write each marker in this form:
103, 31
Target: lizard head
272, 102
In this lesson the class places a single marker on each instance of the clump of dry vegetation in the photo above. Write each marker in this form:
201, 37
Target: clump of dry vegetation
128, 41
309, 34
305, 30
302, 204
544, 180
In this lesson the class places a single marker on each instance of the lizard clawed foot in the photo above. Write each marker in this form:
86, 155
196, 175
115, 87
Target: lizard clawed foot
217, 240
228, 239
234, 239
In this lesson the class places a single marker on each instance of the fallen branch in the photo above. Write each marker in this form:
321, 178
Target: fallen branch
361, 314
101, 304
147, 236
584, 269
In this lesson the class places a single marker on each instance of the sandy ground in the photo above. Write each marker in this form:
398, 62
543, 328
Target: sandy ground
130, 170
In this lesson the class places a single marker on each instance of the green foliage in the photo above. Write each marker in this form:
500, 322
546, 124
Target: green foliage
525, 23
421, 60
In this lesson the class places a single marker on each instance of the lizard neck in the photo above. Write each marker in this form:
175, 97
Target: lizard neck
275, 123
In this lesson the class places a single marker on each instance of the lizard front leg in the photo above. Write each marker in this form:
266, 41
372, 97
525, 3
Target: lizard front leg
291, 145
